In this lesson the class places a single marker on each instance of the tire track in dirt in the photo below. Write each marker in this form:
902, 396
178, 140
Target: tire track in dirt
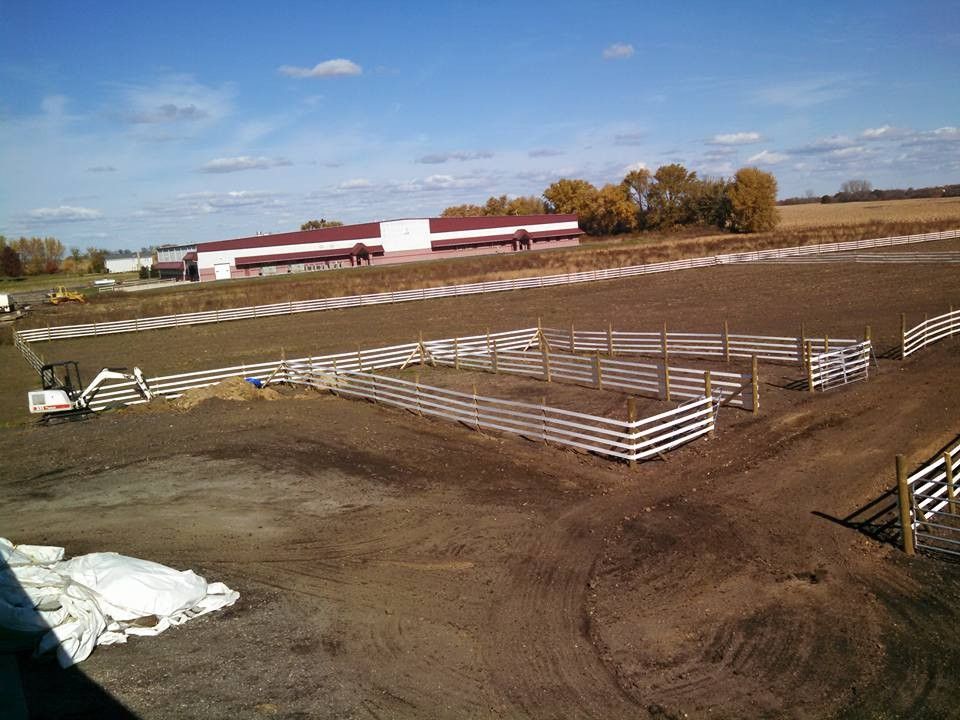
538, 647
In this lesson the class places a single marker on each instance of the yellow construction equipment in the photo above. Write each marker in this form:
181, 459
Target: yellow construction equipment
62, 295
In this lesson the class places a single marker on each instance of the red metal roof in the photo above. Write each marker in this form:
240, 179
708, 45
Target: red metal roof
308, 255
463, 224
506, 237
363, 231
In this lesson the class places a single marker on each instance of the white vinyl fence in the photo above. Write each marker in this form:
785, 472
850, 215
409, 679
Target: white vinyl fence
840, 367
621, 439
287, 308
928, 332
724, 344
934, 507
892, 258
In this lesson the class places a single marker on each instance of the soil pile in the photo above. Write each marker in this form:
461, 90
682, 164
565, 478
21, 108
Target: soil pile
230, 389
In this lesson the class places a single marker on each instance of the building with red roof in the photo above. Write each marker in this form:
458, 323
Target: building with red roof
378, 243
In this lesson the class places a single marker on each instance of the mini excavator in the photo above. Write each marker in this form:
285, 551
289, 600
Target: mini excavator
63, 395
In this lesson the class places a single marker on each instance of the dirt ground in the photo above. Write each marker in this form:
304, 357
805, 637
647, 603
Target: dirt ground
396, 567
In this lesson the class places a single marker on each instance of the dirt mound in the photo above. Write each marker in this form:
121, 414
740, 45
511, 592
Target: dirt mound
230, 389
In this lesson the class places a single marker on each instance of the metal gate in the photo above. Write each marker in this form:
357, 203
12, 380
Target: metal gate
839, 367
929, 507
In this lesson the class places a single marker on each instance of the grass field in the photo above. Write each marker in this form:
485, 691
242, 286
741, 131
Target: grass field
32, 283
815, 215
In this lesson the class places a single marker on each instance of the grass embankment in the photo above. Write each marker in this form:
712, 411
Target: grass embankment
595, 254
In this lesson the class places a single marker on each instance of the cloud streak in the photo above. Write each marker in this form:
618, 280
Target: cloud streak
241, 163
65, 213
338, 67
618, 51
461, 155
738, 138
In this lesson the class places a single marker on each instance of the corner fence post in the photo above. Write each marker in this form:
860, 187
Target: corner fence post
755, 383
903, 500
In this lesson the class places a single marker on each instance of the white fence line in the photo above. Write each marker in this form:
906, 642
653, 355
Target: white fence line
293, 307
935, 513
621, 439
895, 258
928, 332
702, 345
841, 366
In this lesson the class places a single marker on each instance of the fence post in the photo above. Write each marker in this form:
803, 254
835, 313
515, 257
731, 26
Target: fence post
545, 355
573, 340
903, 336
423, 355
663, 344
494, 360
708, 391
903, 500
136, 324
476, 409
597, 372
539, 331
456, 353
416, 380
610, 339
359, 360
755, 384
810, 365
951, 489
543, 419
631, 418
826, 343
803, 345
726, 341
867, 334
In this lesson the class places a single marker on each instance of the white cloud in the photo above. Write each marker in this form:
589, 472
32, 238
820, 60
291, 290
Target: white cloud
328, 68
65, 213
102, 169
544, 152
738, 138
805, 93
635, 166
242, 162
847, 152
946, 133
766, 157
355, 184
461, 155
629, 138
175, 101
881, 133
618, 51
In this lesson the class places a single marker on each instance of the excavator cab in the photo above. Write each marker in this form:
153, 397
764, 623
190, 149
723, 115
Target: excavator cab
63, 376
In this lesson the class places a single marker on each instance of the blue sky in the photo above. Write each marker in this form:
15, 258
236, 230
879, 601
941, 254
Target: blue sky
130, 124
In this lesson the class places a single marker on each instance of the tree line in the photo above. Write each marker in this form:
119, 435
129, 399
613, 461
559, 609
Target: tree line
47, 256
861, 190
669, 198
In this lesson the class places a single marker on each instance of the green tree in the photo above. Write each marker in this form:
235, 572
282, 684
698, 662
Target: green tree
710, 203
669, 197
525, 205
97, 259
320, 224
753, 201
10, 265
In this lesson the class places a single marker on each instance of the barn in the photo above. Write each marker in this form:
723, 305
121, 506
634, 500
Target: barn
378, 243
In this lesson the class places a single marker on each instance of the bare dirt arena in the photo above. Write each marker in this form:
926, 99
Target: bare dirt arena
396, 567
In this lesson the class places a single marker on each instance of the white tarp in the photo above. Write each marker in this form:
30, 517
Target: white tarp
96, 599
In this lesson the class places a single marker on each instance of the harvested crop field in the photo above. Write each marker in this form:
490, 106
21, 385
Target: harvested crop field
392, 566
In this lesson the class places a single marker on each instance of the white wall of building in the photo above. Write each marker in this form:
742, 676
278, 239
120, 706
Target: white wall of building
127, 264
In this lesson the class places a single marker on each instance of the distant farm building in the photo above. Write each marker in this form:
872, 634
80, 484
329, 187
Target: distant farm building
376, 243
126, 263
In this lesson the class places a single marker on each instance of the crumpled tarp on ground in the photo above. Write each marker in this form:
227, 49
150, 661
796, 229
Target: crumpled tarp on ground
96, 599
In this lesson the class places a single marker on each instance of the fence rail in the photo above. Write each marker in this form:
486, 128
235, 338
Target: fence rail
293, 307
931, 330
932, 512
895, 258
